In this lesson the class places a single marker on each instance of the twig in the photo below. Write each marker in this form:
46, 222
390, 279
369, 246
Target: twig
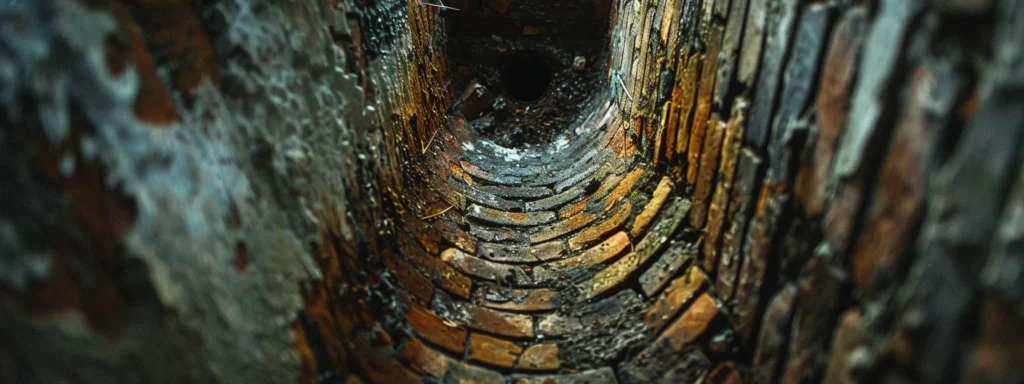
428, 217
623, 84
440, 6
424, 150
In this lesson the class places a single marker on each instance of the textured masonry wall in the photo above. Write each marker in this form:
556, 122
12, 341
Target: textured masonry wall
270, 191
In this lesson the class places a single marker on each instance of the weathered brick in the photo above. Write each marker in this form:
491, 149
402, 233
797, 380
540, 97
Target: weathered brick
819, 297
489, 320
831, 107
556, 324
563, 227
899, 192
717, 212
772, 341
705, 180
592, 376
755, 260
442, 274
667, 265
523, 300
704, 100
847, 339
522, 253
437, 331
601, 230
466, 373
694, 321
590, 257
423, 359
683, 289
685, 101
378, 366
475, 266
539, 357
661, 192
492, 350
738, 215
519, 219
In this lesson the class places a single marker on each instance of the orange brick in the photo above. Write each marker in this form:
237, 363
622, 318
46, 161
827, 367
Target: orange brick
435, 330
492, 350
692, 324
598, 231
595, 255
497, 322
652, 207
423, 359
679, 293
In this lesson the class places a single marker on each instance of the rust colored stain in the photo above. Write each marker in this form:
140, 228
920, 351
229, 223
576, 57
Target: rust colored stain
88, 241
153, 104
177, 38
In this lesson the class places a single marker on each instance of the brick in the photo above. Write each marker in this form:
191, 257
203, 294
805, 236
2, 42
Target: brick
592, 376
423, 359
522, 300
997, 356
497, 234
493, 321
441, 274
519, 219
778, 32
738, 215
612, 276
601, 230
799, 79
753, 41
685, 101
590, 257
475, 266
879, 60
539, 357
521, 253
492, 350
705, 179
466, 373
658, 364
831, 107
663, 268
479, 173
557, 324
755, 260
692, 324
606, 186
378, 366
899, 192
563, 227
516, 192
624, 188
847, 339
820, 294
412, 280
661, 192
704, 99
717, 211
680, 293
771, 342
728, 58
435, 330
